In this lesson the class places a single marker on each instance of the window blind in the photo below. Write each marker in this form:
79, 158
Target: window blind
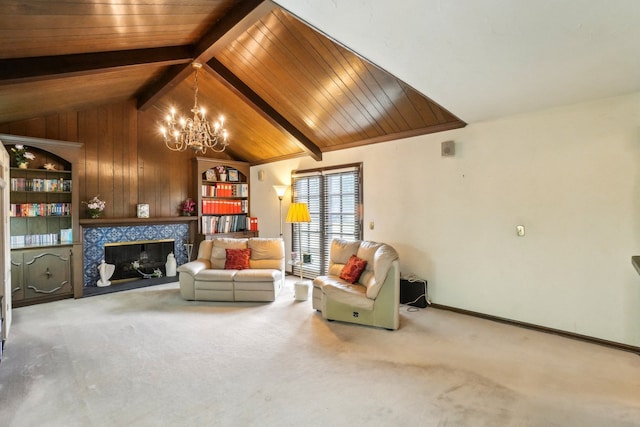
334, 198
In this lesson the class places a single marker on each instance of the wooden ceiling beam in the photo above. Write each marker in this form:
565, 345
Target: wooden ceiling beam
233, 25
233, 82
22, 70
150, 94
223, 32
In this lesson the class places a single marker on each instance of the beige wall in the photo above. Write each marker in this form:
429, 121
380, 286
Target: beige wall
570, 175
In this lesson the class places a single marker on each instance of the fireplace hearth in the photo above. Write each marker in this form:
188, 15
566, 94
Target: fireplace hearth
138, 259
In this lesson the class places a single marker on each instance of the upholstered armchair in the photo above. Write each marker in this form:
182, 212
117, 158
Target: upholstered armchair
373, 298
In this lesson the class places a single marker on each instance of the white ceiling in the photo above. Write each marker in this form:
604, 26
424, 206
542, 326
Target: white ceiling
483, 59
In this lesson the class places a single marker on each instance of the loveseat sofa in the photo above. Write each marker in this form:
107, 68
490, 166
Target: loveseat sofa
228, 269
374, 296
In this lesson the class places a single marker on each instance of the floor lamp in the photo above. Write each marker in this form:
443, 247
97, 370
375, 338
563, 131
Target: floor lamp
280, 191
298, 213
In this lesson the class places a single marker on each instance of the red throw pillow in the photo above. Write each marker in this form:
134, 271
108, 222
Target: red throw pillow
237, 259
353, 269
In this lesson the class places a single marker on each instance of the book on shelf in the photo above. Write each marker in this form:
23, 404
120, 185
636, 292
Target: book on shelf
34, 240
40, 185
223, 224
222, 207
39, 209
240, 190
66, 235
221, 189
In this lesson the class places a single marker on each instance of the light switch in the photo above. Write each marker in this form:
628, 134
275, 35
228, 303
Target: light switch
520, 230
371, 225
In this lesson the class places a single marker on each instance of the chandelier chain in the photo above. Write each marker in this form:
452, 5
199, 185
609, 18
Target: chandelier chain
195, 103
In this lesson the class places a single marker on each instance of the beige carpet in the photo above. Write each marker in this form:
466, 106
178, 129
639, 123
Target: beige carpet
147, 358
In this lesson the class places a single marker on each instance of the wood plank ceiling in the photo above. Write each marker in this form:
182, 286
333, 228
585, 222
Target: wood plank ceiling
286, 89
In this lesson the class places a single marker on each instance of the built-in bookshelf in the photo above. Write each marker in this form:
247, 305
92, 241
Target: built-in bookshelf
40, 206
222, 204
43, 220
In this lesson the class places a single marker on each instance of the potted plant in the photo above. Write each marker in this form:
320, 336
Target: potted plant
188, 207
222, 172
95, 206
22, 156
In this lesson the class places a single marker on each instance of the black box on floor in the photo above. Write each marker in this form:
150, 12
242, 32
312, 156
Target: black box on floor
413, 292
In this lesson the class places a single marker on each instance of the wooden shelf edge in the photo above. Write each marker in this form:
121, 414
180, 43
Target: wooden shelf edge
231, 234
107, 222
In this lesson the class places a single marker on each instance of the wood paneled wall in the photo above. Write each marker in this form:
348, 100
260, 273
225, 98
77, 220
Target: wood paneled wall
164, 176
123, 159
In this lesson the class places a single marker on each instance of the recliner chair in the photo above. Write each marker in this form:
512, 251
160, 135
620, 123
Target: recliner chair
374, 299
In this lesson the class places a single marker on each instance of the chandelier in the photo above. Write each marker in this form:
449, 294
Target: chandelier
196, 133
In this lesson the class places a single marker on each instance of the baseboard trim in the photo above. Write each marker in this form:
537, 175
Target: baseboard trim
593, 340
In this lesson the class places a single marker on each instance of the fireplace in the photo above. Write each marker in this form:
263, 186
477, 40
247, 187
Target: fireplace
138, 259
96, 237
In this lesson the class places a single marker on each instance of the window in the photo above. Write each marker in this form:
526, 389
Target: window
334, 197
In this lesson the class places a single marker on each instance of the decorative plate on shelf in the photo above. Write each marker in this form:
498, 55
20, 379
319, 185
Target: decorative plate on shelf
210, 175
143, 210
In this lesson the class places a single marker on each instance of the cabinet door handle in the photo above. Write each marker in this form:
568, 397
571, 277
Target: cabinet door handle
48, 273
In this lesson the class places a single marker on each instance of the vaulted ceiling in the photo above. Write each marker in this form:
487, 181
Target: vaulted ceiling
484, 60
285, 89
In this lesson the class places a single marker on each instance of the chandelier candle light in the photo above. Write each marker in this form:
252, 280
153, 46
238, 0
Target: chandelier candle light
196, 133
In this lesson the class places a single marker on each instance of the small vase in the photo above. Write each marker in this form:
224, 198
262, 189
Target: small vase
23, 165
170, 265
94, 213
223, 177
